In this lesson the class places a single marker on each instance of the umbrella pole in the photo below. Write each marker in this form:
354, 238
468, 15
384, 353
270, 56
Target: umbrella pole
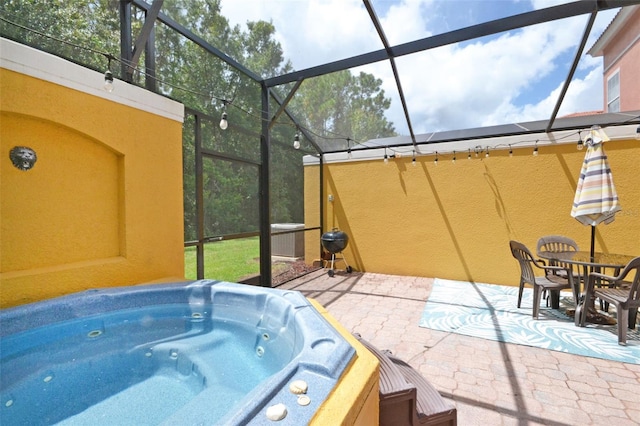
593, 242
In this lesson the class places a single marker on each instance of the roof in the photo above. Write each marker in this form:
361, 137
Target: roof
617, 23
529, 130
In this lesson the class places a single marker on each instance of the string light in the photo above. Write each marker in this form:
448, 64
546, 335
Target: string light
435, 162
509, 147
223, 120
296, 141
580, 143
386, 157
413, 161
453, 160
108, 76
108, 81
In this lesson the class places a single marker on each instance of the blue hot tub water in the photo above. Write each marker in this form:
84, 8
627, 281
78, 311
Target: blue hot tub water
204, 352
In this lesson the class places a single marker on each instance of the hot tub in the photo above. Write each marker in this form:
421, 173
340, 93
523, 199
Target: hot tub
204, 353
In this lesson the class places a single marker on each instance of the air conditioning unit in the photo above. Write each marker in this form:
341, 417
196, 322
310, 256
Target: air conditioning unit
285, 242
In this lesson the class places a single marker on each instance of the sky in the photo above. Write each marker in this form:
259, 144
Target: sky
506, 78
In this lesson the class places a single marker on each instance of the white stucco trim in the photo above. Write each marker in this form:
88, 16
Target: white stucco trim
462, 148
44, 66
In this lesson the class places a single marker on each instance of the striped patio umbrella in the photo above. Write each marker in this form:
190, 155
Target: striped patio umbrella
596, 200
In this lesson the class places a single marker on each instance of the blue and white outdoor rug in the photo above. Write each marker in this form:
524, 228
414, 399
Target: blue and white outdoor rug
489, 312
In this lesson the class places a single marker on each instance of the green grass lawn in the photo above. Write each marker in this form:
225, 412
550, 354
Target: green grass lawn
226, 260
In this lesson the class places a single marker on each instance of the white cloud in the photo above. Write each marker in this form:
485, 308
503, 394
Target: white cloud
311, 32
485, 82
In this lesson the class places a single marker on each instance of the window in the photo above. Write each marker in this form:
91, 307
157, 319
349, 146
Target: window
613, 92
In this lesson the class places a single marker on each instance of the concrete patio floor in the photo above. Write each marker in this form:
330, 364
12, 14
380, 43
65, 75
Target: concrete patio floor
490, 383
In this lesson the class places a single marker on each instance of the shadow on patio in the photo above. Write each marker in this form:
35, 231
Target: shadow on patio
489, 382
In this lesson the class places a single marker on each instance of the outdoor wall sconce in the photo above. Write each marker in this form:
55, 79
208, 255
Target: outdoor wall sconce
23, 157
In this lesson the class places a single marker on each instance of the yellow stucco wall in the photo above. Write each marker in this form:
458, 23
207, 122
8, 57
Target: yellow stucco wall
103, 204
455, 220
355, 399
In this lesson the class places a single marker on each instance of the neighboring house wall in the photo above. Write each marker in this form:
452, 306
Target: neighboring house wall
619, 46
455, 220
102, 205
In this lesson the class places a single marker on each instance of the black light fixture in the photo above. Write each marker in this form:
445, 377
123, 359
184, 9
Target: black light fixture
296, 141
535, 150
510, 151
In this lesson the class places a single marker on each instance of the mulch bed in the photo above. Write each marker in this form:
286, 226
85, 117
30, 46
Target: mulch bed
291, 270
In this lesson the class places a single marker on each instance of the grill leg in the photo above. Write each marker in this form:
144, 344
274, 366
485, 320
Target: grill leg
346, 264
334, 260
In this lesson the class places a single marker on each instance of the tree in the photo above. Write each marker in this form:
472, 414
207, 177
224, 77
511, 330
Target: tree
336, 106
341, 105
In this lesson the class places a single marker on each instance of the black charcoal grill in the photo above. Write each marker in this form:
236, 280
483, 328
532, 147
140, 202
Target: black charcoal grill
334, 242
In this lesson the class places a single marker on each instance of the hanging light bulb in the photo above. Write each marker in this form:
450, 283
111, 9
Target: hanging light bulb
453, 160
223, 121
580, 143
435, 162
510, 151
108, 76
469, 154
535, 150
638, 133
486, 155
413, 161
296, 141
386, 157
108, 81
349, 153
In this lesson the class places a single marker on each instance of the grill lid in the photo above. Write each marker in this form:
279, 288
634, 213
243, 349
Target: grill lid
335, 235
335, 240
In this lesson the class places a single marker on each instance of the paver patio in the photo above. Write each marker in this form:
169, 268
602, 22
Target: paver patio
490, 383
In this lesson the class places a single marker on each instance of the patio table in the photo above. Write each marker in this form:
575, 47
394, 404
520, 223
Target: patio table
586, 263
